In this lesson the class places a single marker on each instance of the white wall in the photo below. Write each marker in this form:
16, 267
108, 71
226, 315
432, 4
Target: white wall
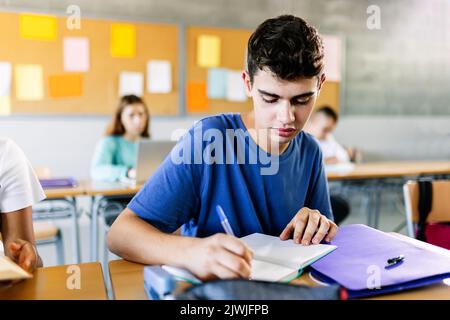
397, 137
66, 144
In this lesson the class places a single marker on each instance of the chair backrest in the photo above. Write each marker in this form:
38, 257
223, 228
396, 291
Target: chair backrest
42, 231
440, 210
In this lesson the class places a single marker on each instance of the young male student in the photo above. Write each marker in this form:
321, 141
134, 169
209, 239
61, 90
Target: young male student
290, 199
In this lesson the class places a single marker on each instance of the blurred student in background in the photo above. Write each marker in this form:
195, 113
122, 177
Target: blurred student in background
116, 154
321, 125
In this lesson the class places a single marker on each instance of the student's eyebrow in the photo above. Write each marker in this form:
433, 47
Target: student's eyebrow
273, 95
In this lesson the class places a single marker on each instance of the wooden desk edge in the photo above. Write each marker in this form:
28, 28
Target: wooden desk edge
43, 287
429, 292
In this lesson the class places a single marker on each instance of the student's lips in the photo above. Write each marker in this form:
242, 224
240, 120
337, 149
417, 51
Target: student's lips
285, 133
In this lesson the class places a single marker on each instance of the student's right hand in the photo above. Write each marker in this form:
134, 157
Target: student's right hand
219, 256
131, 173
24, 253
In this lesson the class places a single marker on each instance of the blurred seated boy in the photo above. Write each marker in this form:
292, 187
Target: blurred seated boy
321, 125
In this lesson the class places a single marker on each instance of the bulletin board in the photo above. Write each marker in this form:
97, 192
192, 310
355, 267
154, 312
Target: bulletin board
330, 95
100, 91
232, 56
233, 50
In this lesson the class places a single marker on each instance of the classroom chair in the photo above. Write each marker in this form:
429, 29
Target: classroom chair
440, 209
46, 233
54, 209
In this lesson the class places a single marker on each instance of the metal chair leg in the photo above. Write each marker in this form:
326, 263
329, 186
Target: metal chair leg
377, 208
105, 250
59, 248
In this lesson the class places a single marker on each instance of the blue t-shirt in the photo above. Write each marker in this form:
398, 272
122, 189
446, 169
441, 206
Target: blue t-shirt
216, 172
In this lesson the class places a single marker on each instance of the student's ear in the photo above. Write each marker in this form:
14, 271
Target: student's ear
322, 79
247, 83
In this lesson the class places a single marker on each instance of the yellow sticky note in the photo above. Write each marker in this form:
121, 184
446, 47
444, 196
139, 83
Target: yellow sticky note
29, 82
123, 40
5, 105
208, 51
38, 27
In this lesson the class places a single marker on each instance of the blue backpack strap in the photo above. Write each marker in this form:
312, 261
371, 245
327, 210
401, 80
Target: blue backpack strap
425, 205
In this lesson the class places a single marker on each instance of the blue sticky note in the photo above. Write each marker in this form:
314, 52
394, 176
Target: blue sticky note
217, 83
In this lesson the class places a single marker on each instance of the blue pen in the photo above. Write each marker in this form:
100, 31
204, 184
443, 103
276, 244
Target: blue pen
224, 220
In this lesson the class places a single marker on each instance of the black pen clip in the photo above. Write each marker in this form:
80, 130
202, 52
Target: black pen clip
393, 262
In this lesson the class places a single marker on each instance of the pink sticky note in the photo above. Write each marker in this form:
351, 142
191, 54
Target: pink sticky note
76, 54
332, 46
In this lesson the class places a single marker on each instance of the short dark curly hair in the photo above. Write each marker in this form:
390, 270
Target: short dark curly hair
288, 46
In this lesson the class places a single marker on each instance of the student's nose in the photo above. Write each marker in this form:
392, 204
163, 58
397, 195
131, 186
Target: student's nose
286, 113
137, 120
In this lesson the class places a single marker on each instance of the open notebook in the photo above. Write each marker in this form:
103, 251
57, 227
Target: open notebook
11, 271
277, 260
273, 259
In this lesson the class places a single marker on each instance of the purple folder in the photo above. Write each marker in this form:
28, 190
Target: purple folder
58, 183
362, 253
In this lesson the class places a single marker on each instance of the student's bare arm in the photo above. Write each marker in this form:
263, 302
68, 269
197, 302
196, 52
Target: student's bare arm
133, 239
221, 255
18, 238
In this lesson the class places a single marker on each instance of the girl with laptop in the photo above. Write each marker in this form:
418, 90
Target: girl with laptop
115, 154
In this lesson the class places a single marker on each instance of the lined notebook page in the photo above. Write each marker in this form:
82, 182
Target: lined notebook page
262, 270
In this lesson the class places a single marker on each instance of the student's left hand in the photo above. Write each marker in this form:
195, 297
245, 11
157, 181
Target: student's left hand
331, 160
309, 225
24, 253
